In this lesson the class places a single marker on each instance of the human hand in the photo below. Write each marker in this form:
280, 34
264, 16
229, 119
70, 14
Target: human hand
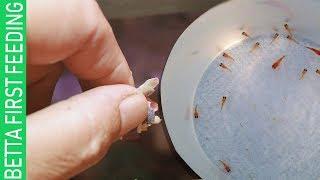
65, 138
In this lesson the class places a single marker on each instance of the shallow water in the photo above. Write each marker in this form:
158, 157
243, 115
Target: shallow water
268, 126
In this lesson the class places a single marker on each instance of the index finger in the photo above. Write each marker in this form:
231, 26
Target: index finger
77, 34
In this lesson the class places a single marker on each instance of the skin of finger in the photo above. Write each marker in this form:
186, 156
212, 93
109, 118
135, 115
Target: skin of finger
102, 55
84, 41
72, 135
57, 30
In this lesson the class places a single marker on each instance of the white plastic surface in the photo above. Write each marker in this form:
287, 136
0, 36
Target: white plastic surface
268, 126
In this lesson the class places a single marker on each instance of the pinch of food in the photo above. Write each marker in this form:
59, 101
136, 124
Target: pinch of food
153, 105
151, 115
142, 128
156, 120
152, 118
149, 86
152, 109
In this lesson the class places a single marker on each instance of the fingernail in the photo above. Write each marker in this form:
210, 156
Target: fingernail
133, 111
149, 86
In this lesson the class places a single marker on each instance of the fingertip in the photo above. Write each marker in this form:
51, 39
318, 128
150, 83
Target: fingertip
82, 128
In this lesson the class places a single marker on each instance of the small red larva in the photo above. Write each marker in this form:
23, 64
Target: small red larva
292, 39
227, 56
224, 67
303, 73
223, 101
245, 34
225, 166
196, 112
277, 63
316, 51
275, 37
255, 46
286, 26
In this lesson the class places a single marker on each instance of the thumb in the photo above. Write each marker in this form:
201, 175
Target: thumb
70, 136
